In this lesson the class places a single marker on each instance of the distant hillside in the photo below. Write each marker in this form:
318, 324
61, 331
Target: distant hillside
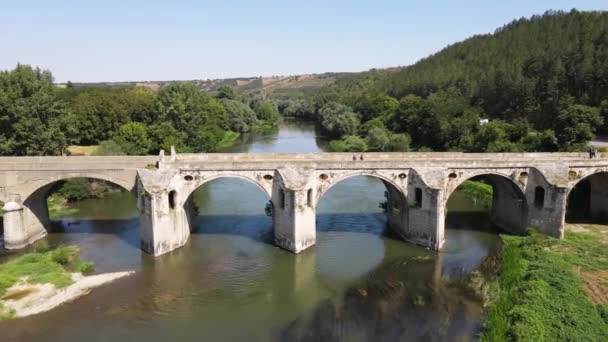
274, 85
524, 69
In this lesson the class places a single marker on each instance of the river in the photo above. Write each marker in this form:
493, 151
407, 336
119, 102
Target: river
230, 283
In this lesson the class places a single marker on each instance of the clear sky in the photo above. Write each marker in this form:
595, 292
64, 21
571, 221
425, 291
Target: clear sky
124, 40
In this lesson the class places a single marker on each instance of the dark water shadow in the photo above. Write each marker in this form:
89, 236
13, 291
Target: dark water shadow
121, 228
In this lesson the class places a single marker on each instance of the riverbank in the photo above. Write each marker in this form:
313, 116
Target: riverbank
44, 279
550, 289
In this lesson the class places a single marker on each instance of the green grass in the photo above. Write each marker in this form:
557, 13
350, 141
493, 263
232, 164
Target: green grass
540, 297
43, 266
228, 140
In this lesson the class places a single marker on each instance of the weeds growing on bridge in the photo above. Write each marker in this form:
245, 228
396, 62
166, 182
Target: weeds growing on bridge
544, 291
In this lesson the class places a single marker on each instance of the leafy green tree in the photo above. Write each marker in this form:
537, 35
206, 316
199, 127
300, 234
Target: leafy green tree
133, 138
378, 139
267, 111
163, 135
32, 119
193, 112
576, 124
399, 143
239, 117
338, 119
301, 108
226, 92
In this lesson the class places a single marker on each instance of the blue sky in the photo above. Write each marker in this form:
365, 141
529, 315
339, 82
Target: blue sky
163, 40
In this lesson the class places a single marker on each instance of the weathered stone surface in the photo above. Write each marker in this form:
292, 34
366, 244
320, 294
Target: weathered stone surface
418, 187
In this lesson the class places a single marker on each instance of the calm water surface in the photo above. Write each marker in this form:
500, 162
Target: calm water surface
229, 283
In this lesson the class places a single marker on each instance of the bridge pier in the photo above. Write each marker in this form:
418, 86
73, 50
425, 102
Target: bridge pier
293, 216
548, 214
425, 224
164, 222
24, 225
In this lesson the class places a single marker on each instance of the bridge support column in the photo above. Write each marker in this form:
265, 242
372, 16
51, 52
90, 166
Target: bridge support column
549, 216
425, 224
293, 218
22, 226
164, 222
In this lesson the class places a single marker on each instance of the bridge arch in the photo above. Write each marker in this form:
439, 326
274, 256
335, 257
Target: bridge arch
192, 182
509, 208
588, 198
30, 187
328, 179
184, 199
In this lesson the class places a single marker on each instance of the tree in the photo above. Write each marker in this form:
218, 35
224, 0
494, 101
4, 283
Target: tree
267, 111
193, 112
32, 119
576, 124
399, 143
239, 117
378, 139
163, 135
338, 119
133, 138
226, 92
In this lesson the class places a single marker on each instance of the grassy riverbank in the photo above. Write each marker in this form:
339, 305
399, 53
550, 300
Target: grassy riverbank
43, 266
552, 290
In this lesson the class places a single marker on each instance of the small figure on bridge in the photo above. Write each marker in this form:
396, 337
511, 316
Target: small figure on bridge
361, 157
354, 157
592, 152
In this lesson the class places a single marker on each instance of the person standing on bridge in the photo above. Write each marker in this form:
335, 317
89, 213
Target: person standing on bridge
361, 157
354, 157
592, 152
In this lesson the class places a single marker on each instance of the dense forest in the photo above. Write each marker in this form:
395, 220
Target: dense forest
38, 118
536, 84
541, 82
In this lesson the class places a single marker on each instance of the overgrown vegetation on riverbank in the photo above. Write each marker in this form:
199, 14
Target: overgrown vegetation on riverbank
550, 289
43, 266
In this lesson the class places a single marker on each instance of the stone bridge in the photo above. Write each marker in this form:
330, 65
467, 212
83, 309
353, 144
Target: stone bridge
530, 190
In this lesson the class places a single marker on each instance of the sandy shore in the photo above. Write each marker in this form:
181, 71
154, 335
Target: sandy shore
30, 299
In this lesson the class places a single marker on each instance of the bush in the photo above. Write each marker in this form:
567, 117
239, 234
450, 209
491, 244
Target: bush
74, 190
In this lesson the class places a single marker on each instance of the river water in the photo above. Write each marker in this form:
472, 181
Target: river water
229, 283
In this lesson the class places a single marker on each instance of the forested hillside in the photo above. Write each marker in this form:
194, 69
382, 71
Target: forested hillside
542, 82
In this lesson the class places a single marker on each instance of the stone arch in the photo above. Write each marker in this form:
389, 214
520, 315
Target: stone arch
189, 182
33, 187
390, 179
455, 182
588, 196
190, 186
510, 208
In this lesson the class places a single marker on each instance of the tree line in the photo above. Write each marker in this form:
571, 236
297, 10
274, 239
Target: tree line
38, 118
542, 84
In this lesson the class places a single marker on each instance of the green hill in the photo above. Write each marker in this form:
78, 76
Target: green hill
524, 69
